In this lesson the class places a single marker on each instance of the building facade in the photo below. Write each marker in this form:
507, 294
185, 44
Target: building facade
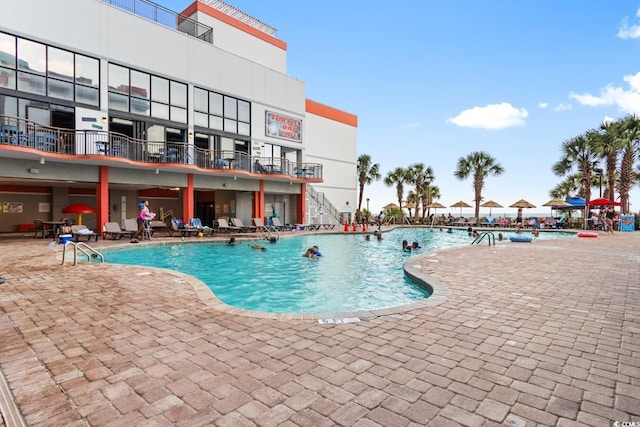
107, 105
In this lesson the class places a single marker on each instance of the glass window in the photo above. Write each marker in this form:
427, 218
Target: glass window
160, 89
244, 112
230, 126
87, 95
178, 114
8, 106
227, 144
200, 119
244, 128
60, 64
215, 104
230, 107
31, 83
178, 94
7, 50
140, 84
31, 56
60, 89
7, 78
160, 111
87, 71
140, 106
118, 102
118, 79
200, 100
215, 122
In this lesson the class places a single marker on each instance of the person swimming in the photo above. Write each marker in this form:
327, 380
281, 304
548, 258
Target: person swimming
258, 247
405, 246
415, 245
309, 253
316, 250
232, 241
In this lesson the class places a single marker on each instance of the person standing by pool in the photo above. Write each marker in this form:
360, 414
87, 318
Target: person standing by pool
609, 215
519, 218
143, 216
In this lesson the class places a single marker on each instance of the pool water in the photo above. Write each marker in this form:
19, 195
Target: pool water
352, 274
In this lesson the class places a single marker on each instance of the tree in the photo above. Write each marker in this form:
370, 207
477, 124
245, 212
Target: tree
421, 176
397, 177
608, 145
629, 133
367, 173
479, 164
578, 153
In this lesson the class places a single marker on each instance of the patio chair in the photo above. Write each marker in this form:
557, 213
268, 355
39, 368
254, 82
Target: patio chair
182, 228
224, 227
259, 223
78, 231
197, 223
113, 231
41, 229
237, 222
279, 225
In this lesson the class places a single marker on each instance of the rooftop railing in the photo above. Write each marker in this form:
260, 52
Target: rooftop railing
156, 13
81, 143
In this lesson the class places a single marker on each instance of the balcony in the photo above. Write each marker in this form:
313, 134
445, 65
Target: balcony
87, 146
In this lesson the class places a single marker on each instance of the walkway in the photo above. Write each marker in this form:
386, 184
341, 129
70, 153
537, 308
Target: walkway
544, 333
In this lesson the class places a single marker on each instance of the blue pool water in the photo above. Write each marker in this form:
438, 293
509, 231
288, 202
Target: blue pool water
353, 274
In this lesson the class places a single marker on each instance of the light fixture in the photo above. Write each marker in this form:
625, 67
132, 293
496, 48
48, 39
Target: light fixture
42, 160
104, 120
190, 135
34, 170
157, 171
224, 184
175, 188
235, 178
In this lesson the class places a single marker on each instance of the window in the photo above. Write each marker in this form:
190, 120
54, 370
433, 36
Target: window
225, 113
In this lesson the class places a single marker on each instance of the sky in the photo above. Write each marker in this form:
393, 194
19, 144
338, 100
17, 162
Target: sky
433, 81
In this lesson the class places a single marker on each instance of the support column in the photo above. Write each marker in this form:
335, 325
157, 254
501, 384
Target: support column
188, 199
258, 202
102, 198
301, 204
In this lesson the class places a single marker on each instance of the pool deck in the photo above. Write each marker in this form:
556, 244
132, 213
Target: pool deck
523, 334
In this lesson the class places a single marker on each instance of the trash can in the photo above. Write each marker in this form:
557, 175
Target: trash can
65, 238
627, 223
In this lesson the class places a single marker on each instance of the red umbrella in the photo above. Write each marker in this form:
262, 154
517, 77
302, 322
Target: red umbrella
79, 208
603, 202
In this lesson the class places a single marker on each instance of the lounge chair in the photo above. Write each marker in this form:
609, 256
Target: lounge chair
224, 227
279, 225
177, 225
197, 223
42, 229
113, 231
325, 226
259, 223
237, 222
78, 231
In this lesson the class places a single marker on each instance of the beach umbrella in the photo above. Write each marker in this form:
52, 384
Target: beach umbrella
79, 209
603, 202
460, 205
436, 205
390, 206
491, 204
522, 203
557, 203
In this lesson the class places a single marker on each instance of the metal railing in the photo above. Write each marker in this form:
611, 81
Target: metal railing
156, 13
323, 204
81, 143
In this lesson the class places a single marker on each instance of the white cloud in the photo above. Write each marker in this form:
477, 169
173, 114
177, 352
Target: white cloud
543, 105
608, 120
629, 31
563, 107
627, 100
492, 116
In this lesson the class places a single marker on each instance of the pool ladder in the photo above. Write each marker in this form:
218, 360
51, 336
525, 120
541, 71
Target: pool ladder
82, 247
269, 231
491, 239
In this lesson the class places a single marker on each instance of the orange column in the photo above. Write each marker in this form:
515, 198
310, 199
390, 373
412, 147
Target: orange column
102, 198
258, 202
188, 199
301, 204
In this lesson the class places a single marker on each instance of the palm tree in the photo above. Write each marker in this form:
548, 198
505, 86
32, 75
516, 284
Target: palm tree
569, 187
421, 177
608, 144
479, 164
397, 177
578, 153
629, 133
367, 173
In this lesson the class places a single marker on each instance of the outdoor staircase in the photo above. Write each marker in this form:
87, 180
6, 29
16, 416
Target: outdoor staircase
319, 204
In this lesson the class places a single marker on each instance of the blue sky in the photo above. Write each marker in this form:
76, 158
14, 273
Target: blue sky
433, 81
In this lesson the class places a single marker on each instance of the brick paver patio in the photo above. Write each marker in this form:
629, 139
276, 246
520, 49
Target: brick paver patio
522, 334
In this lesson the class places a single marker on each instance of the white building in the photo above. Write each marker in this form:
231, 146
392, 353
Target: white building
106, 106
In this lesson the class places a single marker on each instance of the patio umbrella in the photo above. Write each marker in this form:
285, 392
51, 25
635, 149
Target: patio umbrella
603, 202
79, 208
436, 205
390, 206
557, 203
491, 204
522, 203
460, 205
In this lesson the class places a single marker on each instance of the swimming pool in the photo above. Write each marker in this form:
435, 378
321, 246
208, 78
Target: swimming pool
353, 274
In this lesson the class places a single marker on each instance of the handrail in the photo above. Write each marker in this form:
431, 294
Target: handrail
90, 252
18, 132
324, 204
491, 239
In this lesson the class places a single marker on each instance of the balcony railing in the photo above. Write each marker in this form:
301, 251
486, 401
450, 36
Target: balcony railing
81, 143
156, 13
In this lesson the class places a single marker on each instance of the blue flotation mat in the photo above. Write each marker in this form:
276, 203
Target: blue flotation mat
520, 238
